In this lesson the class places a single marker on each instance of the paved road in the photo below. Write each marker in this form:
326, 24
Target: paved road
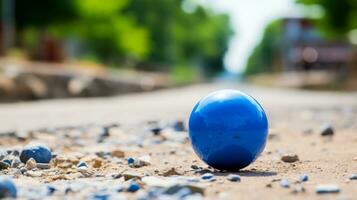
163, 105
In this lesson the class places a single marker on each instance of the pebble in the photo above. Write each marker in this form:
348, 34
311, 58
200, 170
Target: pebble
234, 177
327, 130
290, 158
7, 161
171, 172
43, 165
97, 163
156, 130
353, 177
3, 154
207, 176
284, 183
4, 165
33, 173
7, 188
179, 126
133, 187
327, 188
131, 175
298, 189
139, 162
118, 154
304, 178
50, 190
192, 188
82, 164
15, 163
40, 153
30, 164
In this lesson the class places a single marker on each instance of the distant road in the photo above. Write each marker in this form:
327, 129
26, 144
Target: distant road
164, 105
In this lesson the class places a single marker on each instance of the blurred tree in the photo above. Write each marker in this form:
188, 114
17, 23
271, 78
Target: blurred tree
266, 54
339, 16
158, 34
198, 38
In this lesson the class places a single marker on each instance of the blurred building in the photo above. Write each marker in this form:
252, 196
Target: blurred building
304, 49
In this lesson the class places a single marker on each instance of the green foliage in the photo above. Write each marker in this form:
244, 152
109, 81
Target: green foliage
197, 38
340, 16
155, 33
265, 55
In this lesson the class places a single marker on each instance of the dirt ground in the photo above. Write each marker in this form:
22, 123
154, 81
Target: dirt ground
71, 128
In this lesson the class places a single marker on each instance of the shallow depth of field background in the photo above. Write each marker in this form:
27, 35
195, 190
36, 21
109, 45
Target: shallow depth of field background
87, 48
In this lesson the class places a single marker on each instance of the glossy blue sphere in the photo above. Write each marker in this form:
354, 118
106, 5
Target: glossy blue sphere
228, 129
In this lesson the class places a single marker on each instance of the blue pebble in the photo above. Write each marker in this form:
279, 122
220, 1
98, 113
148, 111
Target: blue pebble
133, 187
131, 161
50, 190
304, 178
7, 188
82, 164
234, 178
284, 183
228, 129
40, 153
100, 196
207, 176
7, 161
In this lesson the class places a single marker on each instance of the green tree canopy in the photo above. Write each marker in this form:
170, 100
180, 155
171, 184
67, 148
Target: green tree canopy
339, 17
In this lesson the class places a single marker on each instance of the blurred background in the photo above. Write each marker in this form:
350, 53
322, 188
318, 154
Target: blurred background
85, 48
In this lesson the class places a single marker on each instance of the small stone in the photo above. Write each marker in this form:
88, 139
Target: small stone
327, 188
4, 165
43, 165
273, 136
195, 167
118, 154
178, 187
284, 183
156, 130
171, 172
131, 175
327, 130
207, 176
3, 154
139, 162
97, 163
7, 161
304, 178
50, 190
234, 177
179, 126
133, 187
15, 163
30, 164
33, 173
82, 164
298, 189
40, 153
7, 188
353, 177
144, 160
290, 158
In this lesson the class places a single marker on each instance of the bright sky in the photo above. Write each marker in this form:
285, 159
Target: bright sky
248, 18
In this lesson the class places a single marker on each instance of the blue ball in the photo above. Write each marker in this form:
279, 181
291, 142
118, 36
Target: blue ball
40, 153
228, 129
7, 188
